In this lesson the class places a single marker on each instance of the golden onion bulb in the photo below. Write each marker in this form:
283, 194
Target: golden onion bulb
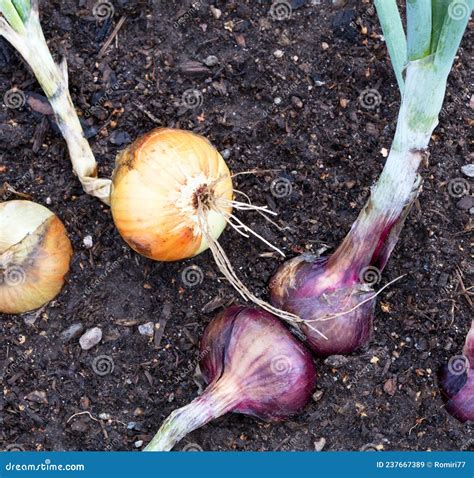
35, 254
167, 187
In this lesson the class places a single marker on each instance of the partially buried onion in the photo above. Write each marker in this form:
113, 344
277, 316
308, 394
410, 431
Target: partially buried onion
35, 253
253, 365
457, 382
171, 188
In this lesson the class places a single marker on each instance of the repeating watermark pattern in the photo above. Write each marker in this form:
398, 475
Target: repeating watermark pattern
102, 278
192, 276
459, 10
14, 447
14, 365
281, 187
105, 97
370, 275
370, 98
458, 187
468, 445
190, 14
192, 447
281, 10
103, 10
14, 98
458, 365
192, 99
103, 365
12, 276
190, 368
281, 365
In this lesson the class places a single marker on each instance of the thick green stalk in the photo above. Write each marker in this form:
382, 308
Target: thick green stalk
418, 28
394, 34
439, 10
12, 16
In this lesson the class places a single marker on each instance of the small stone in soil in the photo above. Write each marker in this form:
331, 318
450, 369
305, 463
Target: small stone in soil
72, 332
88, 242
211, 60
119, 138
147, 329
468, 170
225, 154
467, 202
278, 53
336, 361
319, 445
37, 396
138, 443
91, 338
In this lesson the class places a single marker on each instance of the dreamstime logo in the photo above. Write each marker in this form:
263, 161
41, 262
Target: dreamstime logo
12, 276
458, 187
14, 447
370, 98
14, 98
370, 275
281, 187
192, 276
281, 365
103, 365
192, 447
458, 365
192, 99
281, 10
459, 10
103, 10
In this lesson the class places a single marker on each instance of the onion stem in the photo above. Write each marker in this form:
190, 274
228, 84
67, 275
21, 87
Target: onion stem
22, 28
213, 403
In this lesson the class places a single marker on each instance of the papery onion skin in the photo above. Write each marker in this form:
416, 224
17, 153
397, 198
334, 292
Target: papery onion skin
457, 382
257, 348
33, 262
304, 287
152, 193
253, 365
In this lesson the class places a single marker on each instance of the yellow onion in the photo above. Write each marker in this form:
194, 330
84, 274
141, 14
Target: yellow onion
35, 253
170, 189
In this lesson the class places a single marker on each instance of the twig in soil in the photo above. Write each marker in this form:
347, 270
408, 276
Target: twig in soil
112, 36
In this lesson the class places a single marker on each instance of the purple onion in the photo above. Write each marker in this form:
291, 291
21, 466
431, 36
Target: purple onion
457, 382
253, 365
334, 296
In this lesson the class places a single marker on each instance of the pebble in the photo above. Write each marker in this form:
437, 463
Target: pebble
336, 361
216, 12
278, 53
317, 395
297, 102
91, 338
211, 60
104, 416
147, 329
119, 138
319, 445
72, 332
467, 202
138, 443
88, 242
225, 154
468, 170
277, 100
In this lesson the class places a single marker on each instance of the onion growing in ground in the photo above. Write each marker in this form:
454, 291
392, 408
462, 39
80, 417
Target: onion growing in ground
457, 382
35, 254
252, 365
334, 295
172, 193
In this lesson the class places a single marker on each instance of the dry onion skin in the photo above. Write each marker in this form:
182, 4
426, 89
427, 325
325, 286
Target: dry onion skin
165, 185
35, 254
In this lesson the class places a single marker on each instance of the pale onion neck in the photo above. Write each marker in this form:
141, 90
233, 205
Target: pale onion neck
375, 232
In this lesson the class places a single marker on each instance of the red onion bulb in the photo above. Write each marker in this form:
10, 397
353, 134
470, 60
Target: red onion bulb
253, 365
457, 382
